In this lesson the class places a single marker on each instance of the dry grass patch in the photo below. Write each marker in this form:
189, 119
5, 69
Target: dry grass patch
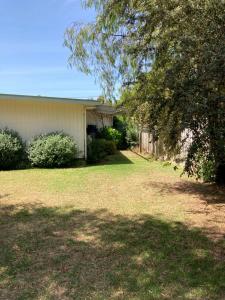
127, 229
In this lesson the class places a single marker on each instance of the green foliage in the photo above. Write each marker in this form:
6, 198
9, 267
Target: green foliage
103, 100
98, 149
132, 136
121, 124
208, 171
170, 57
53, 150
12, 149
128, 130
204, 166
110, 147
111, 134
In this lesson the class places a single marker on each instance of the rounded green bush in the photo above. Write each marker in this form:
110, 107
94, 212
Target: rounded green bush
98, 149
53, 150
12, 149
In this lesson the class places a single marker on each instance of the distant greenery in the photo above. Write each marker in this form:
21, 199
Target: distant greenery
168, 56
121, 124
111, 134
128, 130
124, 133
53, 150
12, 149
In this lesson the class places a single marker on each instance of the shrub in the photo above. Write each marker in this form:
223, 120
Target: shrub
110, 147
132, 136
98, 149
121, 124
53, 150
12, 149
204, 166
206, 169
111, 134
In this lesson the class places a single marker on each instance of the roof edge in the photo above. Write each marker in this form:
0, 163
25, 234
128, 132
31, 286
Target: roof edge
49, 99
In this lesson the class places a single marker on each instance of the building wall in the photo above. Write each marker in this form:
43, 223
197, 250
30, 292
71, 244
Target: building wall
99, 120
31, 118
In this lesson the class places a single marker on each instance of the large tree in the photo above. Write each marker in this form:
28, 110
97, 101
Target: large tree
169, 57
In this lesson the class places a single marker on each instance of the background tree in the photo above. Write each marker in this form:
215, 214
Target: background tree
168, 55
103, 100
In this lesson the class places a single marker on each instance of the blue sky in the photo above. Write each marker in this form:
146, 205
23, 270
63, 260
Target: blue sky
33, 60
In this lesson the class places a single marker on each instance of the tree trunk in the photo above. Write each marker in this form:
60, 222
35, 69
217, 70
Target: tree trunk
220, 174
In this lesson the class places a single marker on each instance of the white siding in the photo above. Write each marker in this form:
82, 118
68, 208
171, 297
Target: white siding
31, 118
99, 120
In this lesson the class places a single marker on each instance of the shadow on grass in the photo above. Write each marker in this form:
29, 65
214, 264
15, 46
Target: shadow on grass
50, 253
206, 192
117, 159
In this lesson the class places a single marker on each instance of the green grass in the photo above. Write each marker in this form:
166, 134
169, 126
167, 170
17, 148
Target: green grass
125, 229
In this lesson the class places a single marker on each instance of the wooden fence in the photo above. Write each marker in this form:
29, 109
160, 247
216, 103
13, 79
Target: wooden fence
148, 145
151, 146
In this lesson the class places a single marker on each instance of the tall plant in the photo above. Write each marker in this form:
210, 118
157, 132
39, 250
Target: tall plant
169, 56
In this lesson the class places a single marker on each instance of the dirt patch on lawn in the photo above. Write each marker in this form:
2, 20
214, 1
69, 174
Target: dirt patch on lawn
203, 204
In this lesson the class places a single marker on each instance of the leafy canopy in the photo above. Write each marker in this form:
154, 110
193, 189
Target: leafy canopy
169, 57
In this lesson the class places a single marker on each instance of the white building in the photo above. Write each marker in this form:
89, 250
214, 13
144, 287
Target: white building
34, 115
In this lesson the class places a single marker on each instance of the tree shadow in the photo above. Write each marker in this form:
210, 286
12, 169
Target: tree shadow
206, 192
53, 253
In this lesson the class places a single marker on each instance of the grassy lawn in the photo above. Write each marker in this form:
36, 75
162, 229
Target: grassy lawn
127, 229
